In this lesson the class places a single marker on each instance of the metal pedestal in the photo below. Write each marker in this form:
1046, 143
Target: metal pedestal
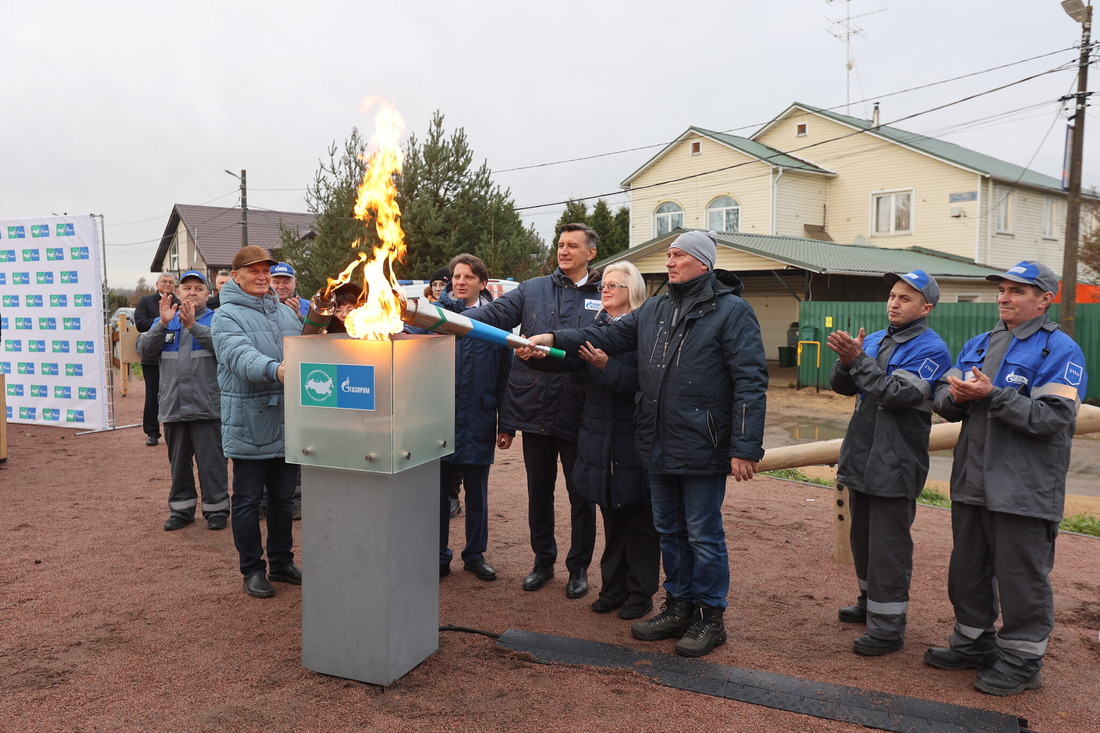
370, 588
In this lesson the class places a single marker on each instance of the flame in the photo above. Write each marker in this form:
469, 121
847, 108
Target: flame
379, 312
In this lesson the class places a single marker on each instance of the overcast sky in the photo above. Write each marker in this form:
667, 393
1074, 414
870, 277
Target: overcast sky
125, 108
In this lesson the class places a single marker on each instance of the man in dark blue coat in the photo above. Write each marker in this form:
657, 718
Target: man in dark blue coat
700, 418
544, 401
481, 374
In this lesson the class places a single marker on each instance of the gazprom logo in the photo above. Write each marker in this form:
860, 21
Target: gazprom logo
40, 230
343, 386
85, 393
49, 323
13, 345
31, 301
74, 416
1014, 378
44, 278
81, 300
7, 255
36, 346
71, 323
68, 277
62, 392
60, 347
32, 255
10, 301
66, 230
40, 390
24, 324
74, 370
17, 232
49, 369
85, 347
21, 278
51, 414
53, 254
79, 253
26, 367
15, 390
28, 413
59, 300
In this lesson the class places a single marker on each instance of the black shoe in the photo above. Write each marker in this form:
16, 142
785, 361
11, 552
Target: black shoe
636, 610
943, 658
444, 570
175, 522
869, 646
674, 619
256, 585
852, 614
707, 631
217, 521
480, 568
992, 682
287, 574
151, 440
538, 577
602, 605
577, 587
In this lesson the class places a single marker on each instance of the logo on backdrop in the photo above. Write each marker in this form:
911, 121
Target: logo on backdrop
343, 386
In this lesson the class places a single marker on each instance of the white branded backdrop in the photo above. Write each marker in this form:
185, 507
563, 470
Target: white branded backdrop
51, 316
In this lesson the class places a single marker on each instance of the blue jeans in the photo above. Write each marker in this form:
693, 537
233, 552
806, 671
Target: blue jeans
250, 476
687, 512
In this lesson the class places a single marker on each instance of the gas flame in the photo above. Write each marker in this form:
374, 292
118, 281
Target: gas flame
379, 312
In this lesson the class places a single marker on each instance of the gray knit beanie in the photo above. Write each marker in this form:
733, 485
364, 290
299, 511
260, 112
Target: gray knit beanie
700, 245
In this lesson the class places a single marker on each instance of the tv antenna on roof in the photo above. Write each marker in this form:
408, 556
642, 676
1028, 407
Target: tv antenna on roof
848, 30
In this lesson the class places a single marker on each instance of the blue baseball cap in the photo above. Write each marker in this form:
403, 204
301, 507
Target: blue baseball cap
918, 280
192, 273
1030, 273
282, 269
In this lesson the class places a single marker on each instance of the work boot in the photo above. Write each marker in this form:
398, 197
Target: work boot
946, 658
706, 632
674, 619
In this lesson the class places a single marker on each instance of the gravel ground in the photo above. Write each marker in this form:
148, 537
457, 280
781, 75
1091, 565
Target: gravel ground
108, 623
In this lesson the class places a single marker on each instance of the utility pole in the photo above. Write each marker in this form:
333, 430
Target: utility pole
1068, 319
243, 177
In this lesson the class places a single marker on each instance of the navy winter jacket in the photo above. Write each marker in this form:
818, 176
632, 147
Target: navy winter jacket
545, 395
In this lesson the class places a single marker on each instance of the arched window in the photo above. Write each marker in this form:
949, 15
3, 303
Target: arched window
724, 214
668, 216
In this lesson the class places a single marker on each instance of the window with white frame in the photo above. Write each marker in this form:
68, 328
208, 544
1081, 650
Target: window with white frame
1050, 217
1004, 203
174, 254
724, 214
893, 212
669, 215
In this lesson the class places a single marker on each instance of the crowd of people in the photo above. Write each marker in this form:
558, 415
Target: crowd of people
657, 404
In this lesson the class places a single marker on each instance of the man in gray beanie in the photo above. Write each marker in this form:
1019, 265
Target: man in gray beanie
700, 418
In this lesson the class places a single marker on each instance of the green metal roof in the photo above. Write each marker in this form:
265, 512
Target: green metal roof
766, 153
828, 258
756, 150
979, 162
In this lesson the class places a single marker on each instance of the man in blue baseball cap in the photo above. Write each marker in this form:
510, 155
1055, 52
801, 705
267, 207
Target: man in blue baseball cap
189, 403
1016, 390
285, 283
884, 456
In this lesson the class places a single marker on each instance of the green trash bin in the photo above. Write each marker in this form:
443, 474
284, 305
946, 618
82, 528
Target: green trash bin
787, 356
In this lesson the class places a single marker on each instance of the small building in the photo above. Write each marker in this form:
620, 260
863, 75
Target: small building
207, 237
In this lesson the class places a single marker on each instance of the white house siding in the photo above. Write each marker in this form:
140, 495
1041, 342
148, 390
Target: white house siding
1025, 241
867, 165
748, 183
800, 200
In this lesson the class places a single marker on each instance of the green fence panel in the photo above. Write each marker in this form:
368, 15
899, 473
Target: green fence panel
956, 323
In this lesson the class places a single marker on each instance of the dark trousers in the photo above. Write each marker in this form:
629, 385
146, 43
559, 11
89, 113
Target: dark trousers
540, 458
1000, 564
149, 422
882, 551
631, 562
200, 440
476, 481
250, 476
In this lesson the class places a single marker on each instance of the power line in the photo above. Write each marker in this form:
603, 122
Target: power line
796, 150
759, 124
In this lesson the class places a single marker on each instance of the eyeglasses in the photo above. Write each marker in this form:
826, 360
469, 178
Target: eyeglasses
604, 287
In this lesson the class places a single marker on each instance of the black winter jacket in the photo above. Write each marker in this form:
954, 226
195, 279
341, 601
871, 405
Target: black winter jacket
544, 395
607, 470
702, 373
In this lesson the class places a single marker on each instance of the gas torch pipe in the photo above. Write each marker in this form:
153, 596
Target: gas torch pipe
943, 437
321, 307
422, 314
